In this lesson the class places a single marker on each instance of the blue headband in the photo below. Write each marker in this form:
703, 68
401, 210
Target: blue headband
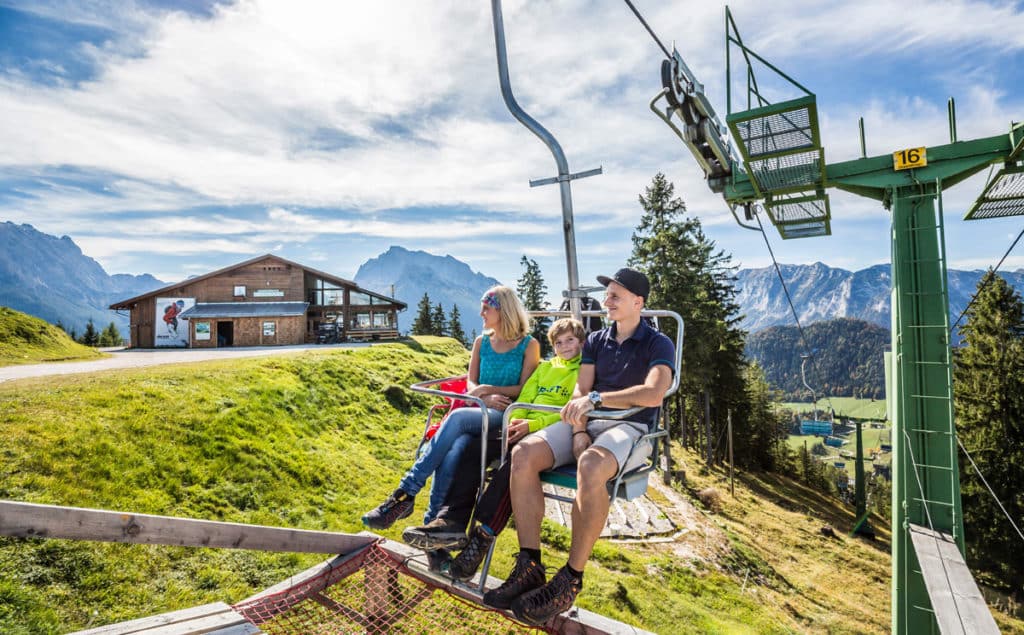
491, 299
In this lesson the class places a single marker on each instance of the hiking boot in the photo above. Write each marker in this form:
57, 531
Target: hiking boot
468, 561
557, 596
439, 533
398, 506
527, 575
438, 560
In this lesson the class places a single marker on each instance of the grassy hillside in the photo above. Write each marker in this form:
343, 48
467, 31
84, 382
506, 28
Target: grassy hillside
873, 409
313, 441
27, 340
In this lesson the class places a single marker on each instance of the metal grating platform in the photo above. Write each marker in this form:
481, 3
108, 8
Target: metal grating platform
781, 145
777, 132
801, 216
1003, 196
788, 173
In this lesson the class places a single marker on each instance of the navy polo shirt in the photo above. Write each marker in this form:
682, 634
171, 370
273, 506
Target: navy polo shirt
618, 366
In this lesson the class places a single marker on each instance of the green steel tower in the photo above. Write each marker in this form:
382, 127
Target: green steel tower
781, 169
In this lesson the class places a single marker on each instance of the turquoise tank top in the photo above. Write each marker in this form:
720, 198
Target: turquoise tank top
501, 369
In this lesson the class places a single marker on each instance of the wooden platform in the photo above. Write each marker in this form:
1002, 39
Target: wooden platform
958, 603
214, 619
627, 520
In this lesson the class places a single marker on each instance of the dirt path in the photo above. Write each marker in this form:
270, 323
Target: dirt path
137, 358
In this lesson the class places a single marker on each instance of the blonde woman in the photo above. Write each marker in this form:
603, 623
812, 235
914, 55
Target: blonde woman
503, 358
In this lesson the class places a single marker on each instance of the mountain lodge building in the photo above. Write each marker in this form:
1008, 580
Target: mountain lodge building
265, 301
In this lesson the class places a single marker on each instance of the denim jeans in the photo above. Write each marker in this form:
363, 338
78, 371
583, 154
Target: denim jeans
461, 427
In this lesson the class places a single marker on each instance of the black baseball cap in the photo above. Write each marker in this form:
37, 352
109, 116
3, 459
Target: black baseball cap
632, 279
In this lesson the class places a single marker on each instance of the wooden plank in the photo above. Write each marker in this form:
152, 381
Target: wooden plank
238, 629
200, 625
153, 621
28, 520
958, 603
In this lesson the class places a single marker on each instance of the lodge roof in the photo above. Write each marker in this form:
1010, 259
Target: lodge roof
127, 304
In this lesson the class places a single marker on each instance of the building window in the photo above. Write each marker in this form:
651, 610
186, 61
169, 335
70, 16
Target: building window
240, 291
359, 299
269, 329
361, 321
380, 320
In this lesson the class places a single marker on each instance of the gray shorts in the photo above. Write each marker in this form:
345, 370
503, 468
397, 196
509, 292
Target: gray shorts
617, 437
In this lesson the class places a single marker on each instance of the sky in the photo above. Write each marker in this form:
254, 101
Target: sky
174, 138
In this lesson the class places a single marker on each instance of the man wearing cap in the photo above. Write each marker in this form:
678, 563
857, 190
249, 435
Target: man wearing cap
626, 365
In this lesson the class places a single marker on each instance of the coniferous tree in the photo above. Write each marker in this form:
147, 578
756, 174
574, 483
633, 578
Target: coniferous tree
989, 402
90, 337
423, 325
60, 325
110, 336
73, 334
691, 276
532, 291
455, 326
438, 321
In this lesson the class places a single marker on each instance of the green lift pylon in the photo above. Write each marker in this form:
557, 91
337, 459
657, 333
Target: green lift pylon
781, 167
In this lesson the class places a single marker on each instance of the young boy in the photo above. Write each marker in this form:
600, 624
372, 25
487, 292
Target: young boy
552, 385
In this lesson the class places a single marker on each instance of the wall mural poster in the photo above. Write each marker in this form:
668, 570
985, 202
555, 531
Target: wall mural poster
171, 329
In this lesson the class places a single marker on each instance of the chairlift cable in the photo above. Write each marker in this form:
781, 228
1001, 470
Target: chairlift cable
649, 29
989, 488
975, 296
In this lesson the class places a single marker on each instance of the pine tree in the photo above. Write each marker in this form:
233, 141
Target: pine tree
110, 336
455, 326
60, 325
90, 337
532, 291
989, 402
690, 276
423, 325
438, 321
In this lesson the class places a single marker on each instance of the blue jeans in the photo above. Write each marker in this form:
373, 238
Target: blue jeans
461, 427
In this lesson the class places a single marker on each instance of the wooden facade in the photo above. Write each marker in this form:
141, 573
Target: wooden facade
362, 314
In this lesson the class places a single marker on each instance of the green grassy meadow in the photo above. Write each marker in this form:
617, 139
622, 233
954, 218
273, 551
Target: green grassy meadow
314, 440
870, 409
28, 340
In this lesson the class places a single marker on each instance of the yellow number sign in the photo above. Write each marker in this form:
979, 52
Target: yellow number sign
909, 158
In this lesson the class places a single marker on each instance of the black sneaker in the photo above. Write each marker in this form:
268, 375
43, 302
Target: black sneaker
527, 575
439, 533
468, 561
398, 506
438, 560
539, 606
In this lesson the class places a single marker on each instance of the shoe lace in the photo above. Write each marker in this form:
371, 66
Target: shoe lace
561, 586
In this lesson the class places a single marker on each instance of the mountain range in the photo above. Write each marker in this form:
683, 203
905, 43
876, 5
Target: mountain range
820, 292
50, 278
444, 279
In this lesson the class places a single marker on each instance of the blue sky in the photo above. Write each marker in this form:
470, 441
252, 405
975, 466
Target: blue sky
174, 138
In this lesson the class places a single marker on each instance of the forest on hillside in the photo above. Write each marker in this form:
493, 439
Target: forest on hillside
847, 358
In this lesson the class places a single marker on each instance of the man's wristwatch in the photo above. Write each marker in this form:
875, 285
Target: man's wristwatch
595, 399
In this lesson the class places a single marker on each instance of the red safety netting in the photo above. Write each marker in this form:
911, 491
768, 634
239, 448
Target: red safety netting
372, 592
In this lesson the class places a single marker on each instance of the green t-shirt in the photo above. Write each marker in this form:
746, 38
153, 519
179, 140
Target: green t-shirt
550, 385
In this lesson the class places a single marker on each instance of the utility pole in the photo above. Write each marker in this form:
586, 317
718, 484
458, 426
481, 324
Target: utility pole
728, 418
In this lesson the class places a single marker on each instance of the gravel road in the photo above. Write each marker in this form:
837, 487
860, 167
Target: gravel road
137, 358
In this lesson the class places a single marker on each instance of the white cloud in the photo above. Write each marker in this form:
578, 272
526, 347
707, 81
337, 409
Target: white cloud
226, 111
